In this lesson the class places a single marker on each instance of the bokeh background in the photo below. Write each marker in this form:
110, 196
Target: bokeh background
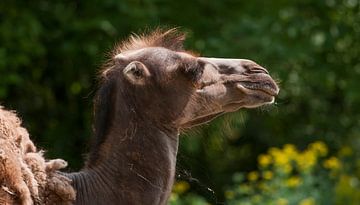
302, 150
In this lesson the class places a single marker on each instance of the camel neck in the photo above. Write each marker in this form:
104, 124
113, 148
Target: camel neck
136, 165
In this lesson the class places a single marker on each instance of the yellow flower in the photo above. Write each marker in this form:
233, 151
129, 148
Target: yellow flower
307, 201
264, 160
280, 157
319, 147
332, 163
268, 175
306, 160
282, 201
290, 150
293, 182
253, 176
274, 151
181, 187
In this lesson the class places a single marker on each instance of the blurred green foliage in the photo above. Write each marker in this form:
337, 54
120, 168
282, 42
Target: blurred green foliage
50, 51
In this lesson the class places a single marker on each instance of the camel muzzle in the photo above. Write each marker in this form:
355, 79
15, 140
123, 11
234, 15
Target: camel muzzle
244, 73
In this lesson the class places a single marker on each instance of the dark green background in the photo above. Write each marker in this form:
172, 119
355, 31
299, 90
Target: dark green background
50, 51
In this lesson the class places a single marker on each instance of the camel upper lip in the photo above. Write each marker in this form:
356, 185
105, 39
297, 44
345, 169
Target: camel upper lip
267, 87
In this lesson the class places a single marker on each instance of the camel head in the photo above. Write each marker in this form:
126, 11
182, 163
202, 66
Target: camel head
173, 88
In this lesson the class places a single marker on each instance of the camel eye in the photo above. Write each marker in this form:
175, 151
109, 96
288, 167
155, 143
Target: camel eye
136, 73
194, 70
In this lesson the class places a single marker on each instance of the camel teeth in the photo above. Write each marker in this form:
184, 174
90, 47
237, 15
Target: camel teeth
241, 87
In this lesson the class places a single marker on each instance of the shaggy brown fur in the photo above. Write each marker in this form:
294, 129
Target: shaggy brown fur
26, 178
170, 39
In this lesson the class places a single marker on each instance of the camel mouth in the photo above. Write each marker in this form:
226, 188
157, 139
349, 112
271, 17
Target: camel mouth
259, 95
266, 87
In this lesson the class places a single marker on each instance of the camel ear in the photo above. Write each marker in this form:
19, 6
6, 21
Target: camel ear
136, 73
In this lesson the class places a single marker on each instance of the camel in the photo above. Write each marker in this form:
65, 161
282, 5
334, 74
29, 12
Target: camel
25, 176
150, 90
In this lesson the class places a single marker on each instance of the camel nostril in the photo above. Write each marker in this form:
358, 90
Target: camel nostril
261, 69
251, 67
257, 69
